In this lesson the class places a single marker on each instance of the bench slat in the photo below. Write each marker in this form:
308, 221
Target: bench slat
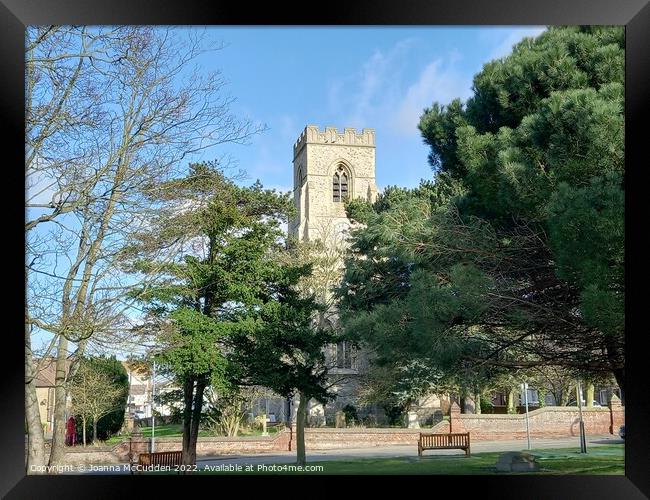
164, 458
444, 442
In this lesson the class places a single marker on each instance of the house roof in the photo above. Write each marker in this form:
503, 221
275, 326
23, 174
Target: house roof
47, 371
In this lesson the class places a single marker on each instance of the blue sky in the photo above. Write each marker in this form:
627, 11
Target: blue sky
370, 77
361, 77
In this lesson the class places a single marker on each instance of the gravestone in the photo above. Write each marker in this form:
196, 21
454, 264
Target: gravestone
517, 461
263, 419
412, 421
340, 419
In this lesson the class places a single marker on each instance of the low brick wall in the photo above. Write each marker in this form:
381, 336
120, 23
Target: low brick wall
327, 438
206, 446
550, 421
92, 455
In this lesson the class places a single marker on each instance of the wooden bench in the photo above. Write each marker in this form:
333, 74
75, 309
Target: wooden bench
163, 458
457, 441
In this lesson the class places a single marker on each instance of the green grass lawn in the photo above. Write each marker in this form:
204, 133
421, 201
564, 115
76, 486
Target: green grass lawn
608, 459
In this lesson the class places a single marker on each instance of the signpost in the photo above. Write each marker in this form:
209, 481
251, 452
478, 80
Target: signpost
583, 440
524, 388
153, 418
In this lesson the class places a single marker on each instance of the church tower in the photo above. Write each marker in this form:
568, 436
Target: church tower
328, 168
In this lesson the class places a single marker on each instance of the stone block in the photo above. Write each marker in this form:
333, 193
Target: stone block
517, 461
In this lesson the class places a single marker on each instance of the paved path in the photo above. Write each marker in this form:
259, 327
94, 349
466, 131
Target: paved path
408, 451
289, 457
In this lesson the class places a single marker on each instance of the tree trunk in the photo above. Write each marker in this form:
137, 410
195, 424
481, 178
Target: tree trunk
463, 402
83, 422
511, 402
301, 418
95, 430
35, 436
619, 375
565, 397
188, 397
590, 395
477, 403
196, 419
57, 455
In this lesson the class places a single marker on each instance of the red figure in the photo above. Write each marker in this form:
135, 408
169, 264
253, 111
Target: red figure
70, 433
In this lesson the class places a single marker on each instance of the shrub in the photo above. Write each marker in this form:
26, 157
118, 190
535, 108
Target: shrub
351, 415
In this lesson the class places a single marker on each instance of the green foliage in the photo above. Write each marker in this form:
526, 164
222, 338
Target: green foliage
394, 413
196, 341
513, 256
358, 210
214, 256
351, 414
115, 374
279, 345
486, 405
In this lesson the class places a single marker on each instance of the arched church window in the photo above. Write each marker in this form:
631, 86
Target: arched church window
344, 186
345, 356
340, 185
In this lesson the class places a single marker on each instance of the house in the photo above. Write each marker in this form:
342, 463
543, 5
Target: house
140, 389
45, 383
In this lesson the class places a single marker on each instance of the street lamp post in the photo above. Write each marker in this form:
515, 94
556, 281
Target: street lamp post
524, 387
153, 417
583, 440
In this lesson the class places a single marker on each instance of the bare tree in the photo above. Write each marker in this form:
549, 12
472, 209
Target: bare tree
94, 395
109, 113
231, 408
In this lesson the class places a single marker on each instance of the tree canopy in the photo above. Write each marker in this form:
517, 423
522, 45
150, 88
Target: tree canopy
513, 256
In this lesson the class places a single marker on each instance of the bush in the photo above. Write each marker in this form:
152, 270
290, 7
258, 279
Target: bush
351, 415
486, 406
111, 423
394, 414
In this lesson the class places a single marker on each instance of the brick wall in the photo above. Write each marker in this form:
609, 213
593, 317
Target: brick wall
549, 421
325, 438
91, 455
207, 446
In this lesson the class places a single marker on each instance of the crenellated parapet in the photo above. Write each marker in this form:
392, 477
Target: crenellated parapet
331, 136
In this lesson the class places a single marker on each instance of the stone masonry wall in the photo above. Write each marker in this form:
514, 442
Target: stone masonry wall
317, 154
549, 421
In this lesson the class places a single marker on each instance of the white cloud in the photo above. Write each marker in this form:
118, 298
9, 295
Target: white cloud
378, 92
366, 95
438, 82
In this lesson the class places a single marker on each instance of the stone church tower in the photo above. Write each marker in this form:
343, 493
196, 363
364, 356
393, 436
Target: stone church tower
329, 167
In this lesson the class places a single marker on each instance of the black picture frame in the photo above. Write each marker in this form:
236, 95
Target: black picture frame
634, 14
